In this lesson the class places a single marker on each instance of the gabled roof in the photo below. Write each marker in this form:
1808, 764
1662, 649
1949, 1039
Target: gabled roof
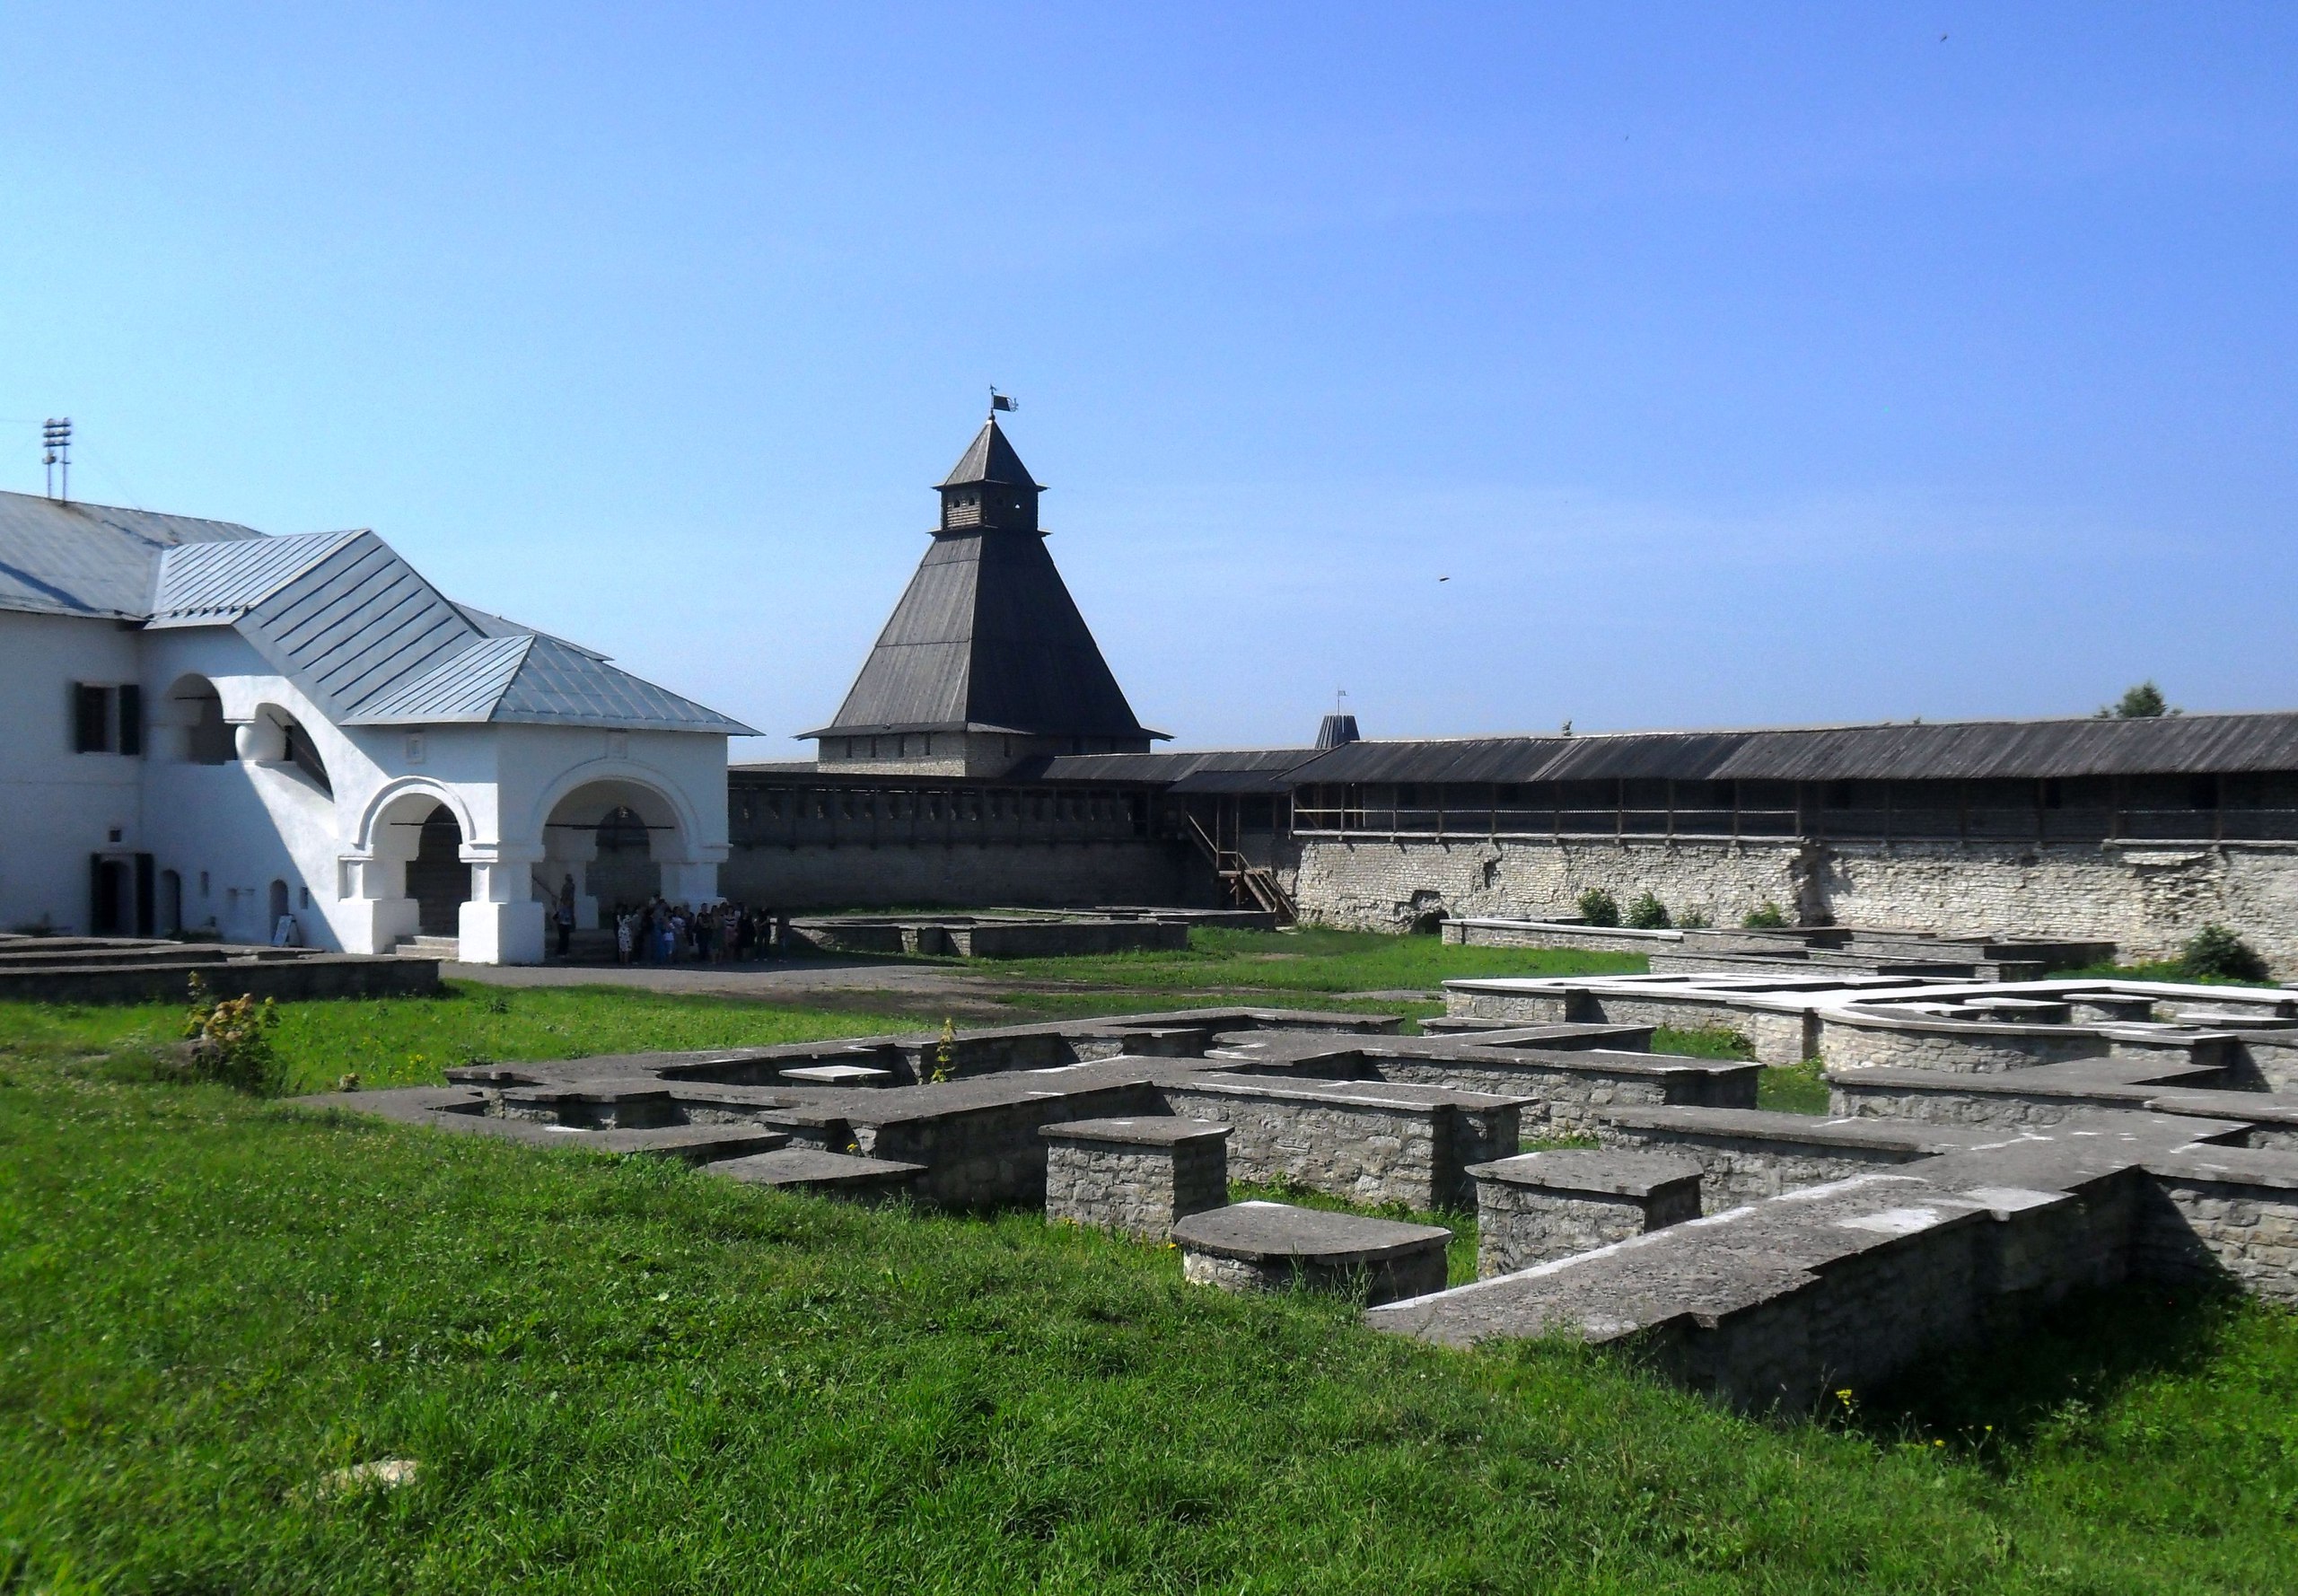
339, 614
60, 557
986, 638
989, 458
537, 681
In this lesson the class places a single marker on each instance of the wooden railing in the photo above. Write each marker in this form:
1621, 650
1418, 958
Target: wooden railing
1249, 884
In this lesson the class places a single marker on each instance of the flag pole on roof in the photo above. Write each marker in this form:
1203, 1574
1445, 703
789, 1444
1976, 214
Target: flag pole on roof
1002, 401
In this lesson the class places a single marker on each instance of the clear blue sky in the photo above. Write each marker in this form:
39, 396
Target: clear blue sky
1738, 366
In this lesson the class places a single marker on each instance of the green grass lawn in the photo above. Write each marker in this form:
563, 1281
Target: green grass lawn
625, 1376
407, 1041
1308, 961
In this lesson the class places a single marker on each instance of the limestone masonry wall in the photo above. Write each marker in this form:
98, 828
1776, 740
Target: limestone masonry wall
2194, 1228
1138, 1190
2147, 897
1736, 1170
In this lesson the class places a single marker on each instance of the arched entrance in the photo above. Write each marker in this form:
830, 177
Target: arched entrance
625, 872
622, 840
437, 879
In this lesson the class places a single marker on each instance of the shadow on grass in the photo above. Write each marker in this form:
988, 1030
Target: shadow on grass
2078, 1357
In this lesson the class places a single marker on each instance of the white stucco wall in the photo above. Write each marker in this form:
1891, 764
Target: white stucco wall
58, 807
229, 831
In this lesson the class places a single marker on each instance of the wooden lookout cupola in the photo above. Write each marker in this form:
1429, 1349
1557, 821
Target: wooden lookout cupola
986, 662
989, 489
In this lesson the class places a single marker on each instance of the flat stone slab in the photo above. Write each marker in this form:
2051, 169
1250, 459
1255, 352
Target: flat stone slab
1267, 1232
824, 1173
461, 1110
1265, 1247
838, 1074
1603, 1173
1145, 1131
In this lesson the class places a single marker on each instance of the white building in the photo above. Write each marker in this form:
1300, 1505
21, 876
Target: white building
202, 727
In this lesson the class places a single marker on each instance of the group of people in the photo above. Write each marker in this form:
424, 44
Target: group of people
662, 933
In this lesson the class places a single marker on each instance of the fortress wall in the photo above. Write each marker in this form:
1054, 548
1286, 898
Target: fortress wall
2148, 897
1052, 874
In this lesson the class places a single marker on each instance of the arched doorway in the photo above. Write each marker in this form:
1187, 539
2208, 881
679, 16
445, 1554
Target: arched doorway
437, 879
625, 872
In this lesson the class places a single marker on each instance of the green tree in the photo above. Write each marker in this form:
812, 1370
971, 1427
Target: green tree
2143, 702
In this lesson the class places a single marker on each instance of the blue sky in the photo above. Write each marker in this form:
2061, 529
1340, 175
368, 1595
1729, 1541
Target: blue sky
1738, 366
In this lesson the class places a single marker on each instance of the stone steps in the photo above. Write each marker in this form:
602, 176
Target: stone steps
428, 947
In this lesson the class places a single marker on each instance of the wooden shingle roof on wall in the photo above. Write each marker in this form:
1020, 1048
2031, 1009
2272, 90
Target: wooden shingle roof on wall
2195, 744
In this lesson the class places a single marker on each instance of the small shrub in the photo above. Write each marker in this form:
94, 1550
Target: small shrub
1598, 907
1765, 917
1696, 918
1647, 913
2214, 950
231, 1042
945, 1052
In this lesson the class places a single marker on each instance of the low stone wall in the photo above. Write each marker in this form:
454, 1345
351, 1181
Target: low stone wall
1573, 1090
1370, 1148
1543, 1206
1557, 934
1854, 1041
1135, 1177
1778, 1036
2224, 1214
286, 978
986, 1155
1748, 1165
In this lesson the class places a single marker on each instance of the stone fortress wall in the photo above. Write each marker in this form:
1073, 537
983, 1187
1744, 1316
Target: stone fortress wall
2146, 897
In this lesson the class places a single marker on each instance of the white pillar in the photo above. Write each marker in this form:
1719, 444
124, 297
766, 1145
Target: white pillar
503, 922
372, 911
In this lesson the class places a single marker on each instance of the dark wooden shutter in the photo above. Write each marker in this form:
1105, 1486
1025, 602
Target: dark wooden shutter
146, 905
90, 719
131, 721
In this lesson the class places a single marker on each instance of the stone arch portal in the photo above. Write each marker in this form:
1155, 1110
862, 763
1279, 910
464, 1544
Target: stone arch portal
622, 840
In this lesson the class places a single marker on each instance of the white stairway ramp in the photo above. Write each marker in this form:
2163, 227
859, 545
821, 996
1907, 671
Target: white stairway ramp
428, 947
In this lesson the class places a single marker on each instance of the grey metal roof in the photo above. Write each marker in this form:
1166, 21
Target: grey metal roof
339, 614
989, 458
986, 637
69, 559
2200, 744
537, 681
206, 585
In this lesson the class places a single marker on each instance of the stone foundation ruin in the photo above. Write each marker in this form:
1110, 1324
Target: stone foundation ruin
1989, 1147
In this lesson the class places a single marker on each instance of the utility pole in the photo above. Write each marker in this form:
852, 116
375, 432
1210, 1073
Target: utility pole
55, 435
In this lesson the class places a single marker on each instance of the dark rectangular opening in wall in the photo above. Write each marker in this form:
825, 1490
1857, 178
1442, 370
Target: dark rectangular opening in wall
90, 719
131, 719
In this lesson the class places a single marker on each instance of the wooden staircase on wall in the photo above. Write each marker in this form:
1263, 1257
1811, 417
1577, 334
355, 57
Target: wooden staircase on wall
1248, 885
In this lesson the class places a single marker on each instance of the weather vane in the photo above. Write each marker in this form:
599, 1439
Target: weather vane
1002, 401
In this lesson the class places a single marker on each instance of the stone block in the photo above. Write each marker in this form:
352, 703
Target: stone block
824, 1174
1274, 1246
1135, 1176
838, 1074
1543, 1206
